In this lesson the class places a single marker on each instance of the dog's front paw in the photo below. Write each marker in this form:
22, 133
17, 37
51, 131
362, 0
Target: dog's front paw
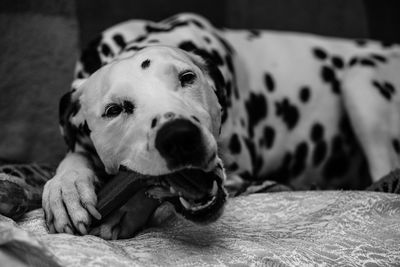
69, 200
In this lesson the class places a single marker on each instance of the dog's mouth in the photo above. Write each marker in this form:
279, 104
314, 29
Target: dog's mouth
197, 195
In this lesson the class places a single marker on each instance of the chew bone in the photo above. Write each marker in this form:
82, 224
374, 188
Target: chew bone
118, 191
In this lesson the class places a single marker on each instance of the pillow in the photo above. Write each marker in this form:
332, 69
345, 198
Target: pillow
38, 48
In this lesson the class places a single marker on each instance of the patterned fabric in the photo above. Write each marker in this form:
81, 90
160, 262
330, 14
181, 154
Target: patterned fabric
333, 228
21, 187
389, 183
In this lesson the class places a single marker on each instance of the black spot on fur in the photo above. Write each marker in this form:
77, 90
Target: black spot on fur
319, 53
328, 75
226, 45
90, 57
300, 159
207, 39
216, 57
140, 39
385, 88
73, 133
256, 107
319, 153
105, 50
304, 94
379, 58
188, 46
336, 87
80, 75
317, 132
133, 48
234, 144
119, 40
337, 62
154, 122
387, 44
253, 34
269, 82
289, 113
367, 62
396, 145
67, 109
218, 79
128, 107
361, 42
346, 128
282, 173
228, 87
229, 63
353, 61
269, 136
153, 41
338, 163
84, 128
145, 64
197, 23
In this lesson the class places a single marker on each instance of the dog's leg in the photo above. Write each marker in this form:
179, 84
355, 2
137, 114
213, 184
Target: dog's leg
374, 116
69, 198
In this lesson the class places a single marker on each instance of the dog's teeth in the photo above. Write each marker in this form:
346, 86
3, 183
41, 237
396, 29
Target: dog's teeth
196, 208
185, 203
172, 190
214, 189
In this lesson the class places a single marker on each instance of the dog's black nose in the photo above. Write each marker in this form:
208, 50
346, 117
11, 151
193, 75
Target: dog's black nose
180, 143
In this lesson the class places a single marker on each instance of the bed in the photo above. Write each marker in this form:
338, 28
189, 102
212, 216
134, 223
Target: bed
332, 228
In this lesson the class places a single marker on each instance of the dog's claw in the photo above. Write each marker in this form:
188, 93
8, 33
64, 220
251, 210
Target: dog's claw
68, 230
115, 233
51, 228
93, 211
82, 228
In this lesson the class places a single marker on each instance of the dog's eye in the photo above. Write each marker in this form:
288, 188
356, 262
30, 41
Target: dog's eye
112, 110
187, 78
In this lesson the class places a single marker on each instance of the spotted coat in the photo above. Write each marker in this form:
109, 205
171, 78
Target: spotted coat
298, 109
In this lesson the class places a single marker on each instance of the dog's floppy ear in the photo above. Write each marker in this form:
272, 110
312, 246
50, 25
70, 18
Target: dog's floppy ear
204, 60
73, 125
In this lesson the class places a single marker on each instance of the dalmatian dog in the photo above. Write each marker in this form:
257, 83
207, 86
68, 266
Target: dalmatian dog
236, 110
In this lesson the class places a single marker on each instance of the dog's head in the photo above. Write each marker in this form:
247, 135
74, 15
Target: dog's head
155, 113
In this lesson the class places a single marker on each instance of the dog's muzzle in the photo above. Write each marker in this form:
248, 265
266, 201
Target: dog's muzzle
180, 143
195, 184
197, 195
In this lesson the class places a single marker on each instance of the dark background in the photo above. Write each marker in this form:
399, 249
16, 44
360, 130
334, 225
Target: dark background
345, 18
40, 41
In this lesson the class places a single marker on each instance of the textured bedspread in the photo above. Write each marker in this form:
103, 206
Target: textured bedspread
279, 229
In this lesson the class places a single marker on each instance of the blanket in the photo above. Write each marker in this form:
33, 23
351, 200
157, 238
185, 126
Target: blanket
335, 228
